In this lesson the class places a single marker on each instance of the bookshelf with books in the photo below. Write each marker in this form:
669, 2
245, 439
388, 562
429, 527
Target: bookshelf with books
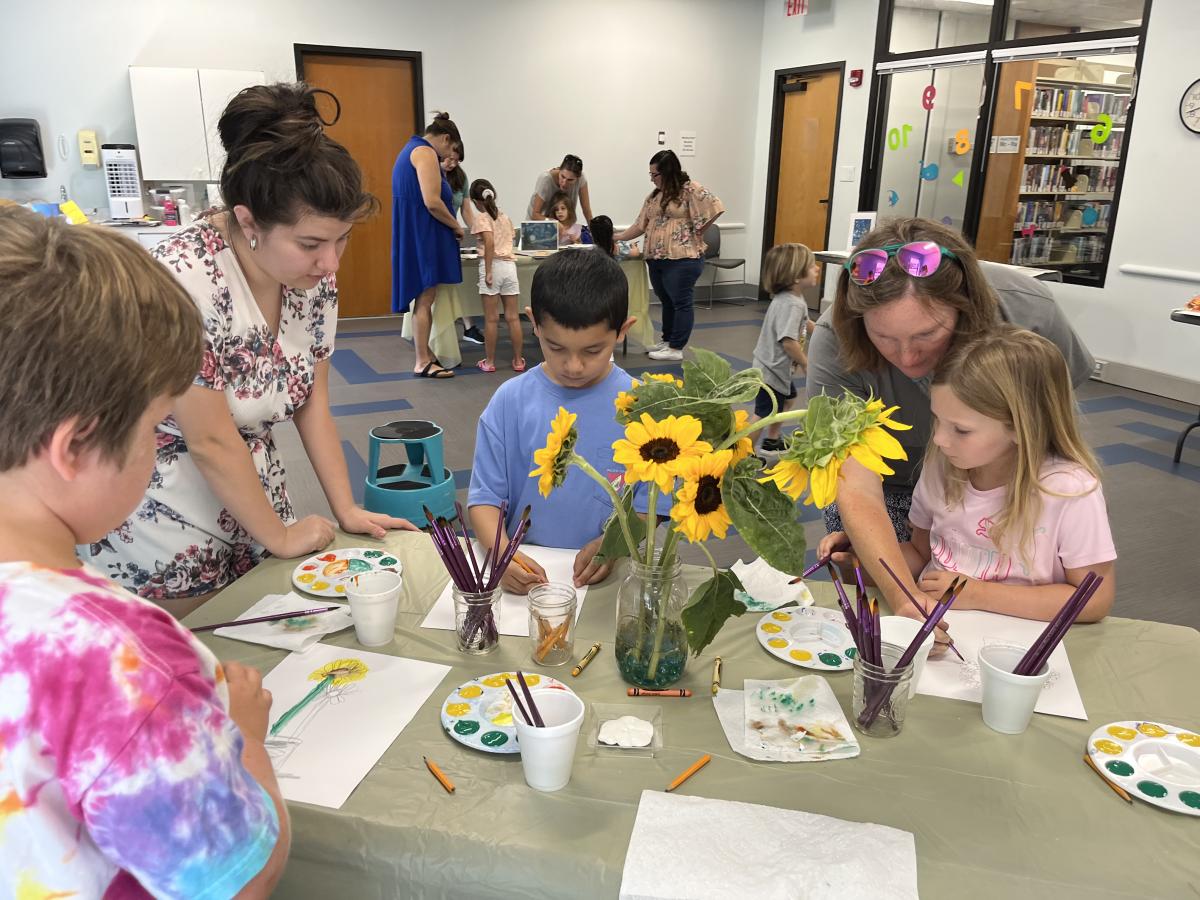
1050, 203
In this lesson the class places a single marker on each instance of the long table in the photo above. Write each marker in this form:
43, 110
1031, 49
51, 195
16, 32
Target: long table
993, 815
454, 301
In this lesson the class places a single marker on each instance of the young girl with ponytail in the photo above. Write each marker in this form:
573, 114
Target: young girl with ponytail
497, 274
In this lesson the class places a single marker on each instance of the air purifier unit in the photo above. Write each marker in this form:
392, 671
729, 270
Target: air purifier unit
123, 180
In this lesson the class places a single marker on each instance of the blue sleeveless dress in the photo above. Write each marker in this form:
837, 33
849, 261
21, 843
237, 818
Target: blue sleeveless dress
424, 251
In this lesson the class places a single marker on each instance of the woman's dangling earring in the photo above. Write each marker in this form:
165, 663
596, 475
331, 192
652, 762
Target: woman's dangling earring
253, 242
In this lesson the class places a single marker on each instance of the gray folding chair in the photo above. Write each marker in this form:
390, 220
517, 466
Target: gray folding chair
713, 259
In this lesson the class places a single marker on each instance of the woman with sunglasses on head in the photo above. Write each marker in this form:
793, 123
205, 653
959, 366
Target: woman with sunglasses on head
567, 177
912, 292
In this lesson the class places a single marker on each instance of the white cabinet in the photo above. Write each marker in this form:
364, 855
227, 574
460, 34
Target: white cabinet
176, 113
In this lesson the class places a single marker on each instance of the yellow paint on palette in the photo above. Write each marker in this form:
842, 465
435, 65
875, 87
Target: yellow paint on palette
471, 691
771, 628
1151, 730
1109, 747
321, 586
532, 680
800, 655
781, 616
777, 643
457, 709
504, 720
307, 577
341, 589
498, 679
1122, 733
1192, 740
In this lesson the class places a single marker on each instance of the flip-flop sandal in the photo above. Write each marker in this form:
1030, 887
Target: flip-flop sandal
439, 374
518, 365
484, 366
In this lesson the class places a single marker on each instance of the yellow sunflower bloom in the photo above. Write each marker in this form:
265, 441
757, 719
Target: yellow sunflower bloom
699, 509
665, 378
552, 459
745, 446
342, 671
651, 451
789, 476
624, 402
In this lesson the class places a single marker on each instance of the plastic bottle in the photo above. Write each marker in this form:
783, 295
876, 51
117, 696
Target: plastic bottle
170, 212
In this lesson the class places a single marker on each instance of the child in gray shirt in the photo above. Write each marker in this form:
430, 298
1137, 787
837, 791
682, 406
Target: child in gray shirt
780, 351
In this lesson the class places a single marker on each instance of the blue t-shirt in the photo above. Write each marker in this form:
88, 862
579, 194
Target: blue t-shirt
516, 423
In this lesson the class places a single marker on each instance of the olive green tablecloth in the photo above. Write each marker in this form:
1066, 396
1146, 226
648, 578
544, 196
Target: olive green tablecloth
993, 815
454, 301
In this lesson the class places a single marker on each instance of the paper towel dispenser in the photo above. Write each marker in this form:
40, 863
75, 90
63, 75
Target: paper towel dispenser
21, 149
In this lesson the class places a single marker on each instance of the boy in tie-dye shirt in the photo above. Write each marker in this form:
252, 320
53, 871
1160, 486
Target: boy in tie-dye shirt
131, 762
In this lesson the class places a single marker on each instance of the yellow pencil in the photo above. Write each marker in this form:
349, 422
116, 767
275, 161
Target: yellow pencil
690, 771
438, 774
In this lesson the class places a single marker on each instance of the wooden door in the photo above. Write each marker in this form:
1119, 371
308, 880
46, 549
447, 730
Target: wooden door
380, 112
807, 140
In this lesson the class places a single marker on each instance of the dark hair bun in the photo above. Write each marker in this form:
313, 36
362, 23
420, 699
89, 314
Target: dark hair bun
278, 155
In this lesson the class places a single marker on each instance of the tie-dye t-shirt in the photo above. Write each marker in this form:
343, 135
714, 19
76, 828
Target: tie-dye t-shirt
120, 769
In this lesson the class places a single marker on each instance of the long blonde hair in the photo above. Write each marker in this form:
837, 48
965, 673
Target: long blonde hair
1020, 379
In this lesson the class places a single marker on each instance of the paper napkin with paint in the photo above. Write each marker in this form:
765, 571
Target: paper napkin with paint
297, 633
767, 588
795, 720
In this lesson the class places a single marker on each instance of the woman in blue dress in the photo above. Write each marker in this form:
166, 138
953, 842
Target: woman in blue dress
425, 234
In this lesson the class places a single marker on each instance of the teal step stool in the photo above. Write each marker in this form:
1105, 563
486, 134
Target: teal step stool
423, 482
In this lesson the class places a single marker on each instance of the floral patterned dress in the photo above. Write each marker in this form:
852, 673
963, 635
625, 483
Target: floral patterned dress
181, 542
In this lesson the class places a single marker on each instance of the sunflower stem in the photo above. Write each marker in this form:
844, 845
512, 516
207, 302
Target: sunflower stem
586, 467
792, 415
651, 522
712, 562
661, 587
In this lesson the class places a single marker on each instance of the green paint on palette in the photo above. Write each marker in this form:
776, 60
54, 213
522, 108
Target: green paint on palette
466, 726
1190, 798
1118, 767
372, 554
387, 561
1152, 789
830, 659
851, 652
494, 739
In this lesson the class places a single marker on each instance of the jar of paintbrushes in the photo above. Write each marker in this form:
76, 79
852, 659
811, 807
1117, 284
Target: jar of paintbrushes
552, 623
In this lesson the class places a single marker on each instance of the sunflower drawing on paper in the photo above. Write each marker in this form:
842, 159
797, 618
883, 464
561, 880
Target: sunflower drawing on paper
334, 681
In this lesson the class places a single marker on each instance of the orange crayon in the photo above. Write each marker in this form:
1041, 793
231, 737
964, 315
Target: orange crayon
646, 692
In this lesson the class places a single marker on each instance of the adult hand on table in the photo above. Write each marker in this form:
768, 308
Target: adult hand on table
310, 534
522, 574
249, 701
357, 520
588, 569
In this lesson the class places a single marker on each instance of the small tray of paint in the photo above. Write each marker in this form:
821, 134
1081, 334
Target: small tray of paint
479, 714
811, 637
640, 745
1159, 764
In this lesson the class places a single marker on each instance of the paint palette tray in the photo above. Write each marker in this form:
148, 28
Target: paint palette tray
479, 714
1159, 764
811, 637
599, 713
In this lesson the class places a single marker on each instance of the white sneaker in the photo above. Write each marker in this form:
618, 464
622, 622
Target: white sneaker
667, 353
653, 348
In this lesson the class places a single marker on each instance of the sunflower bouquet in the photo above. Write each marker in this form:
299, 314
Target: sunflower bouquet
685, 439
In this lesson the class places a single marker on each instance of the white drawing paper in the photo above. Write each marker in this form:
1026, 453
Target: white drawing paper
326, 749
514, 610
972, 630
288, 634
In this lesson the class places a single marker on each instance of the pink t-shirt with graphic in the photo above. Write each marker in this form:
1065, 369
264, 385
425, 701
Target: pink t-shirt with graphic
121, 772
1070, 533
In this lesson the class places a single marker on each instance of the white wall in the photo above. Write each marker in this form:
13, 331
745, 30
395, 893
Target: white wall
1127, 321
833, 30
611, 76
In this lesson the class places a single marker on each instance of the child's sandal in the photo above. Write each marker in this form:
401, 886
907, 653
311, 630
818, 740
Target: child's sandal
484, 366
518, 365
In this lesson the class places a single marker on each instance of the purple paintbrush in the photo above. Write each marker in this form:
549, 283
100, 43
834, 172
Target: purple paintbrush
517, 701
271, 618
1050, 638
499, 568
844, 603
533, 710
913, 600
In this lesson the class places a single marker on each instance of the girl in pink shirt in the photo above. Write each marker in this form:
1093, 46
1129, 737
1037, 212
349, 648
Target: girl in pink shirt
1009, 494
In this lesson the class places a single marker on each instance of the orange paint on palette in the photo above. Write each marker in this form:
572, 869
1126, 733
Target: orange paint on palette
309, 568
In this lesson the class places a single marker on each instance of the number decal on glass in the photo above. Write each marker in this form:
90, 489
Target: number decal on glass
1102, 129
962, 142
1017, 88
898, 137
927, 96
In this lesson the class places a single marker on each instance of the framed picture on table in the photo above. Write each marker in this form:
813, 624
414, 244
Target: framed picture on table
860, 224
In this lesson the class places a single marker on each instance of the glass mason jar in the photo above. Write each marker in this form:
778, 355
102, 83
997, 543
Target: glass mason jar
552, 623
651, 642
880, 695
477, 620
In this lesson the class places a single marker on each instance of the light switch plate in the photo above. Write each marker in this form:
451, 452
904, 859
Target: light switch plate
847, 173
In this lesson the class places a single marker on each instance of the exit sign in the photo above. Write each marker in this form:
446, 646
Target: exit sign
795, 7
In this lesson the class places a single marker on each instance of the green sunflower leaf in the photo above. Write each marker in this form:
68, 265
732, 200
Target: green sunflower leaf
613, 546
709, 607
706, 374
764, 517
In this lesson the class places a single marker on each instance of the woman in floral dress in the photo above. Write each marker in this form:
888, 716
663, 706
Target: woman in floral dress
261, 273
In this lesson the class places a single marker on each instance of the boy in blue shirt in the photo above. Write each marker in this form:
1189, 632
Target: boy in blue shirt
580, 312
